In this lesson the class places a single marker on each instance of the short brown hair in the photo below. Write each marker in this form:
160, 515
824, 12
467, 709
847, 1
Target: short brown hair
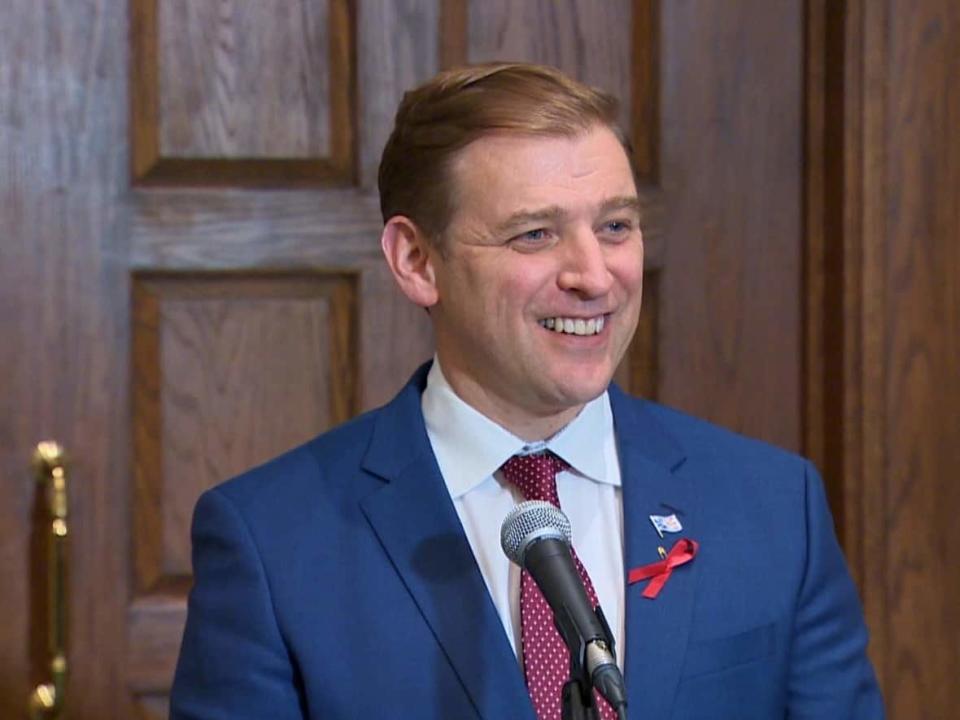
459, 106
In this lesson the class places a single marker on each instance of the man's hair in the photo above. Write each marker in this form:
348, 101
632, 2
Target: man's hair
438, 119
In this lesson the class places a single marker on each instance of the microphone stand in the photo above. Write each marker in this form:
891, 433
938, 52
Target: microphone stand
573, 707
578, 701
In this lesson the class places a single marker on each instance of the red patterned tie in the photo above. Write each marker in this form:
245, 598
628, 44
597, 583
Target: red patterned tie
546, 660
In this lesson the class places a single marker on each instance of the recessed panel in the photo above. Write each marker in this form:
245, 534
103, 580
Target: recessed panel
731, 167
230, 372
241, 380
589, 40
242, 93
243, 79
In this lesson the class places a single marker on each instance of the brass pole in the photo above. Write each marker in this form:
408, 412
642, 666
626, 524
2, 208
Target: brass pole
48, 699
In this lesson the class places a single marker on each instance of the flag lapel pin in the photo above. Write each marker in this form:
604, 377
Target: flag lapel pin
666, 524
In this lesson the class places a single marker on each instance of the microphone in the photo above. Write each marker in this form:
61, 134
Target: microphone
536, 536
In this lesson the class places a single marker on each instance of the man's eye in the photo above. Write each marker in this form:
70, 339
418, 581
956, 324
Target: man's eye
531, 238
617, 226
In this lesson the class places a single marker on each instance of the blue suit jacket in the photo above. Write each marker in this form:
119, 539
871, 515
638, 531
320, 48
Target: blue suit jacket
337, 582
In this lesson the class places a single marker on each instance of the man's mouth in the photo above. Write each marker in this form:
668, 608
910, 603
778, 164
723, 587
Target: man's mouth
574, 326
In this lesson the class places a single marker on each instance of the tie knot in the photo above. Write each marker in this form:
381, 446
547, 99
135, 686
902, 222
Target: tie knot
535, 475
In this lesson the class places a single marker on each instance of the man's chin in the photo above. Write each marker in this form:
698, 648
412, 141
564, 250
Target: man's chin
576, 394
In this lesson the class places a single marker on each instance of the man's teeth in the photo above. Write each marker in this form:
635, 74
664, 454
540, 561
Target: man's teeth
574, 326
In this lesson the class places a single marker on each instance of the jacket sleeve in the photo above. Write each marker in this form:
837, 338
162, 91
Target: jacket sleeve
830, 675
233, 660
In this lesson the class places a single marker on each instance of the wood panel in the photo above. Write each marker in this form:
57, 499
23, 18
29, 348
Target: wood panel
233, 230
731, 152
243, 79
329, 231
590, 41
889, 309
918, 265
267, 358
397, 44
298, 274
63, 111
826, 419
645, 90
454, 29
243, 93
154, 626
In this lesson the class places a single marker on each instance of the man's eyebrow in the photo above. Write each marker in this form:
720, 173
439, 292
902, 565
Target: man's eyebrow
622, 202
553, 213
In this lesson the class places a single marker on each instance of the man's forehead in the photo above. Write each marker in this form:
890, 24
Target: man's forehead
530, 168
510, 142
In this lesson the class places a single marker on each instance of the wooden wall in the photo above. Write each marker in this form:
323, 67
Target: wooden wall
883, 288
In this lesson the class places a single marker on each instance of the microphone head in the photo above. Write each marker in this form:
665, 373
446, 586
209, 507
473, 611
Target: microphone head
529, 522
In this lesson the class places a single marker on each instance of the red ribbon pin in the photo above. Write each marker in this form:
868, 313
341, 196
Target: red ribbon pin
682, 552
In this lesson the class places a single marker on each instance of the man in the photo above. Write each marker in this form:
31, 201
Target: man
361, 576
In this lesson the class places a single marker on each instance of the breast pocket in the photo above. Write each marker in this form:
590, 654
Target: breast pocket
707, 656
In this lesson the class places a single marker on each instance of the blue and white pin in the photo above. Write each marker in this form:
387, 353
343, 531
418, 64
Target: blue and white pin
666, 524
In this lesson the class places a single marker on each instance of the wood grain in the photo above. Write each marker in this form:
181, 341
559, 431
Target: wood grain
235, 93
920, 265
453, 31
63, 160
590, 41
731, 150
815, 197
395, 335
645, 90
891, 107
397, 44
155, 626
826, 280
241, 229
862, 452
638, 373
244, 80
263, 358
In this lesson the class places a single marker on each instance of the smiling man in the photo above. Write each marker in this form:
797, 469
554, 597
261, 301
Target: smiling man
361, 575
534, 283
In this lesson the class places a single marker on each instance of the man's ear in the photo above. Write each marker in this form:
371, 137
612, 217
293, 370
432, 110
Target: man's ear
410, 257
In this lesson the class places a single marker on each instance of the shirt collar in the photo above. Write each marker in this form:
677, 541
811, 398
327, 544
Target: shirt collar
470, 447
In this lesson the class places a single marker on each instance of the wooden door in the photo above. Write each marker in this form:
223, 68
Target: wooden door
190, 274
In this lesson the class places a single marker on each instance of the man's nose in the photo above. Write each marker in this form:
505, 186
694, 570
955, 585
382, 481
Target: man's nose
584, 266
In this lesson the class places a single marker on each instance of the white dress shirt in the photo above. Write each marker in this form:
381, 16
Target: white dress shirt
470, 448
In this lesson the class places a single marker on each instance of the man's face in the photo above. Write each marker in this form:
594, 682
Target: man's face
538, 286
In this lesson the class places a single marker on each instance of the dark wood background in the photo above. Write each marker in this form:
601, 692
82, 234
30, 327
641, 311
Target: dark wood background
883, 284
190, 279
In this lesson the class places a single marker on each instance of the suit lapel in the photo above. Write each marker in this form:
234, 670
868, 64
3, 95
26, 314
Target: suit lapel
417, 524
656, 630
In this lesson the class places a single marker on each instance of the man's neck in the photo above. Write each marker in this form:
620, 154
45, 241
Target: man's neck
527, 425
